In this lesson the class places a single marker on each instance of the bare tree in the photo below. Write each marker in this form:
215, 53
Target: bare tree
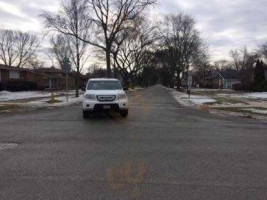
17, 48
111, 17
242, 59
132, 52
201, 66
263, 50
181, 40
59, 49
107, 17
96, 72
73, 22
36, 63
64, 46
222, 64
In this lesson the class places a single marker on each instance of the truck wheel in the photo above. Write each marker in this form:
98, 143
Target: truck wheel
85, 114
124, 113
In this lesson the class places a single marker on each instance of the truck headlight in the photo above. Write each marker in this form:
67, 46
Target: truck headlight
122, 96
89, 96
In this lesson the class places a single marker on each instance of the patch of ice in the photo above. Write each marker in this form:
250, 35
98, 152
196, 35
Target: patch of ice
211, 90
251, 95
62, 102
10, 96
255, 110
202, 101
135, 89
184, 100
257, 95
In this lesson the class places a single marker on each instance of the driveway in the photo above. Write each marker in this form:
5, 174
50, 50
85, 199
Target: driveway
162, 151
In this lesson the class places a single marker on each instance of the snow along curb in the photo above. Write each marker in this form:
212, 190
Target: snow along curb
194, 101
197, 102
39, 104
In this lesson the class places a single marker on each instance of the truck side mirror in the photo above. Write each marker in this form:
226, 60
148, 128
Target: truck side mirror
83, 89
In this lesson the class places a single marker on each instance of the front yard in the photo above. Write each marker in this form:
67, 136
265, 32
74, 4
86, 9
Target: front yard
21, 101
32, 100
226, 102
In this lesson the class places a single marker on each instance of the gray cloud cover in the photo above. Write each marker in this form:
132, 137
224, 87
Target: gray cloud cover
223, 24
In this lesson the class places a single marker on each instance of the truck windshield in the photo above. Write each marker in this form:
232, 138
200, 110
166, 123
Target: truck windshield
104, 85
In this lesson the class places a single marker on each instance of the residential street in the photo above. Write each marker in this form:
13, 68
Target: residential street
161, 151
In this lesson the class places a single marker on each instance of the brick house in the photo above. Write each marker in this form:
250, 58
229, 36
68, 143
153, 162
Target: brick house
48, 78
9, 74
58, 78
54, 79
83, 80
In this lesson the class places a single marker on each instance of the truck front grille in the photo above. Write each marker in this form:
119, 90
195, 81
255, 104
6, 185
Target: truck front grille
106, 97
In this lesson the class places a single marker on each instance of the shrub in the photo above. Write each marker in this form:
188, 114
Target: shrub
41, 88
2, 86
254, 87
241, 87
20, 85
259, 87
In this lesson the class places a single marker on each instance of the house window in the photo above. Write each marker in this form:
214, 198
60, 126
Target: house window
14, 75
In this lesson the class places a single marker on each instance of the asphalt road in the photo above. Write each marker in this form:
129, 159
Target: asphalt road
162, 151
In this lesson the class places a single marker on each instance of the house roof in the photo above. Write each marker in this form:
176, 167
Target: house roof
50, 70
13, 68
229, 74
21, 69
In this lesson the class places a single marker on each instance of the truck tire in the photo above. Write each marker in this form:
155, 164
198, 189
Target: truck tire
124, 113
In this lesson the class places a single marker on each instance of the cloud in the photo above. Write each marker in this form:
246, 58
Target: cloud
24, 14
227, 24
224, 25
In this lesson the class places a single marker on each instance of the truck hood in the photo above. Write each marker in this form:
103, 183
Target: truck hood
105, 92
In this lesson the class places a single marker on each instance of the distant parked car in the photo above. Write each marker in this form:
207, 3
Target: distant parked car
104, 95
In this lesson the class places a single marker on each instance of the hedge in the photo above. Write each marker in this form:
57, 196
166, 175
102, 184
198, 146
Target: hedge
20, 85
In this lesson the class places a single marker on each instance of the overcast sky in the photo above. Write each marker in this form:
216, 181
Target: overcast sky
224, 24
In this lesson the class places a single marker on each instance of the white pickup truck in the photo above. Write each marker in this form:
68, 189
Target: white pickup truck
103, 95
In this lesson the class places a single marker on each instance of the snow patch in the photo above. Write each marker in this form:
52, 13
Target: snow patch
203, 100
255, 110
11, 96
194, 100
62, 102
251, 95
135, 89
8, 96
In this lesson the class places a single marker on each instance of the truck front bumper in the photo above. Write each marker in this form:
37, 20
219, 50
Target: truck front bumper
101, 106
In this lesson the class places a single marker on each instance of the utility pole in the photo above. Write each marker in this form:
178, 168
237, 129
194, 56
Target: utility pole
66, 65
67, 86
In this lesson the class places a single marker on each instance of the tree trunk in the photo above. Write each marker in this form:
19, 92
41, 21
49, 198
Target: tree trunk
178, 84
115, 72
125, 78
77, 83
108, 59
187, 75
